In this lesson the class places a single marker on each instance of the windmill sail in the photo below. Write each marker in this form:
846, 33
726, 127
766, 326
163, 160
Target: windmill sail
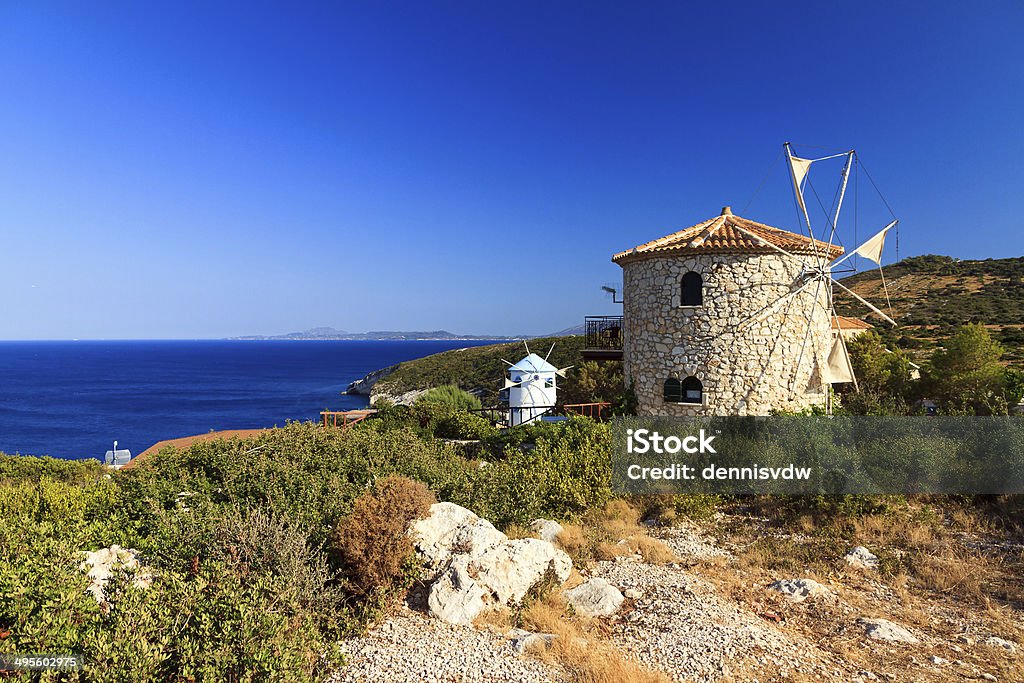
798, 171
872, 248
839, 369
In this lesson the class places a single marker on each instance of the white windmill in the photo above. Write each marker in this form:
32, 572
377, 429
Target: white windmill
818, 268
532, 387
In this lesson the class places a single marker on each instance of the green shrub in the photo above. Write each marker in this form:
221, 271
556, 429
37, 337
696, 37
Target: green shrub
451, 395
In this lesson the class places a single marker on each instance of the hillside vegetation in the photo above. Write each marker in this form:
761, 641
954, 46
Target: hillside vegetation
932, 294
259, 554
481, 369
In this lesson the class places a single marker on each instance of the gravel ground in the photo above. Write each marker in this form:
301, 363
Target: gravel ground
412, 648
676, 624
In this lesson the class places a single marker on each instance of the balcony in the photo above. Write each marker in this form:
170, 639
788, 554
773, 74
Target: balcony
603, 337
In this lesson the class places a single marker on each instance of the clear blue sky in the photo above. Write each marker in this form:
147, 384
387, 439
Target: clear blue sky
211, 169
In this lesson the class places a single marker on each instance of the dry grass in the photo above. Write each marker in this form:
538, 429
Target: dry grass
946, 569
579, 648
954, 568
514, 531
612, 532
500, 619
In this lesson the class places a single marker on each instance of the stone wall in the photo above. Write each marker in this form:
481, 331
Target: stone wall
747, 368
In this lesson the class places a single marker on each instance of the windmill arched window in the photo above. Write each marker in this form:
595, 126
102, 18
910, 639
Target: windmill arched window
693, 390
673, 391
689, 390
692, 290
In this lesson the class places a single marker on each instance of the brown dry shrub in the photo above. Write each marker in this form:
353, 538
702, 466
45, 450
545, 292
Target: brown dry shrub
620, 510
372, 542
953, 568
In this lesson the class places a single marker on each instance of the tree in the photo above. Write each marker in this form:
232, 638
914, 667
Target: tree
593, 382
966, 373
879, 370
1013, 382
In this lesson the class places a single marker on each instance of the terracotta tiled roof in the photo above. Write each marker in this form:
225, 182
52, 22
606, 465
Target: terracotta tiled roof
841, 322
729, 234
186, 441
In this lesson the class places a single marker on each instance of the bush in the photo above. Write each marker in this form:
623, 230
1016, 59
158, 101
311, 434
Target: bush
372, 542
451, 395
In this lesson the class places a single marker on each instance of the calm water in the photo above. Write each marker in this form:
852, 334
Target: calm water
71, 399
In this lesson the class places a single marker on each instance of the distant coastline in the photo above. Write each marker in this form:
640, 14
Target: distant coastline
330, 333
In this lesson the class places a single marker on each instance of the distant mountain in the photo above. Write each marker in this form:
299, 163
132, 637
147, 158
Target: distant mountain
569, 331
331, 333
384, 335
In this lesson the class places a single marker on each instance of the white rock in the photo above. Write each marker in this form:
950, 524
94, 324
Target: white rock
455, 597
451, 529
862, 558
798, 590
883, 629
101, 564
523, 640
634, 593
937, 660
1007, 645
547, 529
510, 569
595, 598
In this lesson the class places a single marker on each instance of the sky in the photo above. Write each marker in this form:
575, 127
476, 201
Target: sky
204, 169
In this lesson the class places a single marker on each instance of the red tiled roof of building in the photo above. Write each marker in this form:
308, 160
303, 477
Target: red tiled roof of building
842, 322
730, 234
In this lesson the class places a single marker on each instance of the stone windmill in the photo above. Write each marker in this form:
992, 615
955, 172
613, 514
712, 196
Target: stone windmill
735, 317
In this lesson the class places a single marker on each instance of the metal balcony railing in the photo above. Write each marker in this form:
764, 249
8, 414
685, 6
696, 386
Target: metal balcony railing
603, 332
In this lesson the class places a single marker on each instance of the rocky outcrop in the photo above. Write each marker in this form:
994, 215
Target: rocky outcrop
546, 529
595, 598
404, 399
364, 386
455, 597
474, 566
798, 590
883, 629
449, 530
861, 558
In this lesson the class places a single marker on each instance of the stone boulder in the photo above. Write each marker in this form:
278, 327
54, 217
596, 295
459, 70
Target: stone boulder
862, 558
523, 640
546, 529
476, 566
455, 597
883, 629
595, 598
995, 641
452, 530
798, 590
511, 568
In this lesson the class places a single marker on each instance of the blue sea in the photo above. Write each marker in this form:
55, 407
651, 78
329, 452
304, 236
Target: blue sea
71, 399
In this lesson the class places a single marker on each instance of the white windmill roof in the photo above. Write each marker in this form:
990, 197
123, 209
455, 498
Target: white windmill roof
533, 363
